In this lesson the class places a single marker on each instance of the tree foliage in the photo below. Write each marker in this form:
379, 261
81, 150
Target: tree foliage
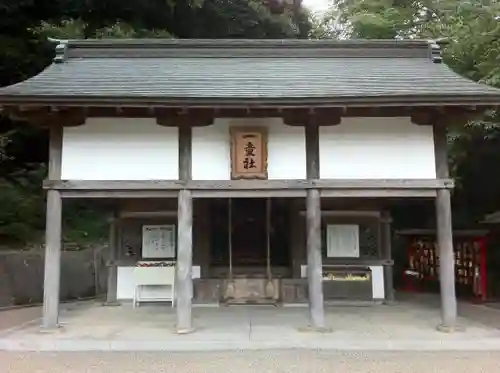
25, 51
470, 31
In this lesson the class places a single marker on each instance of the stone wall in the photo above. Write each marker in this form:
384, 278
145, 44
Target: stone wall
83, 274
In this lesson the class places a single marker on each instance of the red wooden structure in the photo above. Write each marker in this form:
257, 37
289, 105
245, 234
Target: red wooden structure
421, 269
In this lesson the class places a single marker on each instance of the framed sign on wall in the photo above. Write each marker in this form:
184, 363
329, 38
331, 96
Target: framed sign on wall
158, 241
342, 241
248, 152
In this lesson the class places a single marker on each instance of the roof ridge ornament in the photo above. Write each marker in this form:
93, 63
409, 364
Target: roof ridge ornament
61, 50
435, 51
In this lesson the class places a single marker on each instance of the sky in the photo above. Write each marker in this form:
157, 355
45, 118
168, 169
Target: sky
316, 5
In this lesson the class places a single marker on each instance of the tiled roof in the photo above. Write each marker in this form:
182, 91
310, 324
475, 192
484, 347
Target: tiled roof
259, 71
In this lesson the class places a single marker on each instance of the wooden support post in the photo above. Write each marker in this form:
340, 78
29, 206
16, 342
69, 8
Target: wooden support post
184, 263
445, 235
185, 152
386, 241
201, 239
296, 239
53, 235
313, 224
111, 296
184, 285
314, 261
52, 274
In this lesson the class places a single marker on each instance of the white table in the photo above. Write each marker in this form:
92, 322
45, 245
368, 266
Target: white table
154, 284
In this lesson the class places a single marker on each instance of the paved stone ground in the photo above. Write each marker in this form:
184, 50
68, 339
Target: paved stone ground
291, 361
13, 317
407, 325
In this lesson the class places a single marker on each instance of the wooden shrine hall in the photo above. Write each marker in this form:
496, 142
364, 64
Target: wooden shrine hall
243, 171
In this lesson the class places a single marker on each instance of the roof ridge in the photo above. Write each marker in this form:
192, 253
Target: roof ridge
245, 48
249, 43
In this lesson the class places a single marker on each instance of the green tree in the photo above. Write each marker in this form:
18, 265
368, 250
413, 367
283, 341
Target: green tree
471, 30
25, 51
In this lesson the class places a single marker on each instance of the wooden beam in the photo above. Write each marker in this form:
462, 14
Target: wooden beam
185, 152
370, 214
111, 295
378, 193
313, 227
47, 116
445, 234
185, 231
314, 260
202, 227
248, 185
446, 117
184, 263
194, 117
267, 193
386, 241
313, 117
297, 241
184, 119
118, 194
312, 150
53, 234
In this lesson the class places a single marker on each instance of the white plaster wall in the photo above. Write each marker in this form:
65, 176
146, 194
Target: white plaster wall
120, 149
211, 155
376, 148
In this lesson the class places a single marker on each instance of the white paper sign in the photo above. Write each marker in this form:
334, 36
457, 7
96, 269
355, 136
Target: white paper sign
158, 241
342, 241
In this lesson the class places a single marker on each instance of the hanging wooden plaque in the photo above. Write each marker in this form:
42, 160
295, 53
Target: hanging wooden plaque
248, 153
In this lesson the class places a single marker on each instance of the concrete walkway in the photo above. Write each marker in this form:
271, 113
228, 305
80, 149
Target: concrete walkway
407, 325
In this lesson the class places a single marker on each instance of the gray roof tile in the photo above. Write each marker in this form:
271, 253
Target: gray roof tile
229, 72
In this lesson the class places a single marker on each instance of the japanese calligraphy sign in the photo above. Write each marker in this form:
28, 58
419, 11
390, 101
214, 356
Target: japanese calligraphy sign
249, 153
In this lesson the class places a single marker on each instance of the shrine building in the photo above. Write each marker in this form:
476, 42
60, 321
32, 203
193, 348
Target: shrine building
248, 171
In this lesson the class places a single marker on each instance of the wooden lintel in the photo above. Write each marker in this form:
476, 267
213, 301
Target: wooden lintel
378, 193
424, 118
194, 117
234, 193
46, 116
315, 118
447, 117
184, 118
176, 185
118, 194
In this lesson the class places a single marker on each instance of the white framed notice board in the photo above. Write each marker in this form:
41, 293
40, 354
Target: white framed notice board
342, 241
158, 241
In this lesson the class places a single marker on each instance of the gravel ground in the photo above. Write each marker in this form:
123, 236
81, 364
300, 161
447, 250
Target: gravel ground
255, 362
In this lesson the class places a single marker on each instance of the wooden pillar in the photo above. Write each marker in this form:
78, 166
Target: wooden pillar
111, 296
53, 234
314, 260
445, 235
201, 236
184, 262
296, 239
184, 285
185, 150
386, 241
313, 227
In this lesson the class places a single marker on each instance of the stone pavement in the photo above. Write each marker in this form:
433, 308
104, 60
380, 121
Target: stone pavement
17, 316
407, 325
289, 361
